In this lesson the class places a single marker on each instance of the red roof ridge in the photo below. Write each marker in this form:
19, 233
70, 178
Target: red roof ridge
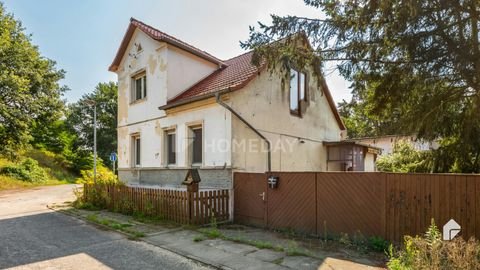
174, 38
244, 53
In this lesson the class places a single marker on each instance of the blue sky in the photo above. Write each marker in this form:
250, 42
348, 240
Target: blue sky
83, 36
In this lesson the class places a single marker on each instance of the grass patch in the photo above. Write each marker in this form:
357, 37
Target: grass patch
115, 225
7, 182
56, 174
140, 217
54, 164
256, 243
199, 238
211, 232
293, 250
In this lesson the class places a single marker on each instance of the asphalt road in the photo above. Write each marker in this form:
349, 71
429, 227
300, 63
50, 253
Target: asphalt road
34, 237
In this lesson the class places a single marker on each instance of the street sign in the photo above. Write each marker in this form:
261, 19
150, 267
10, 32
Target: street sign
113, 157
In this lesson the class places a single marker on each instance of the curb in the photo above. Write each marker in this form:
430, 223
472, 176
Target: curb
145, 240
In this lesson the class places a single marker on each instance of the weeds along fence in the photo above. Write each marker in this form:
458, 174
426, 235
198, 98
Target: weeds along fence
179, 206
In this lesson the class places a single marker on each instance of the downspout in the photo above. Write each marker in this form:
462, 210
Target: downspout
269, 153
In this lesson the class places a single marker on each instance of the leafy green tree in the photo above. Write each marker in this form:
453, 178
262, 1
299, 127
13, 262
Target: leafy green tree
80, 121
405, 158
55, 136
360, 122
420, 60
29, 88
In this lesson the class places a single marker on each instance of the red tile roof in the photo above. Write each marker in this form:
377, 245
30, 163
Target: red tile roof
237, 73
159, 36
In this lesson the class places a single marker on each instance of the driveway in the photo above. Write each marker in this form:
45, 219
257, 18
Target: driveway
34, 237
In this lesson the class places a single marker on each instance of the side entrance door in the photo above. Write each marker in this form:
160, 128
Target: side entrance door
250, 191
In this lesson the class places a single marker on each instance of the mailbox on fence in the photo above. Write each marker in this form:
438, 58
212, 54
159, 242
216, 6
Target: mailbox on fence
273, 181
192, 180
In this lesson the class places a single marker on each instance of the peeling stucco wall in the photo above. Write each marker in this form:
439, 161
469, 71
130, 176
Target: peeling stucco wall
262, 102
152, 59
214, 119
265, 105
169, 71
184, 70
216, 124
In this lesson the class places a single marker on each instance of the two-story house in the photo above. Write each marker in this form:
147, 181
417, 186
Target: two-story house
180, 107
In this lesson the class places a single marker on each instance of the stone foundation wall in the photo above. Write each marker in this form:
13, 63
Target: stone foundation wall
211, 178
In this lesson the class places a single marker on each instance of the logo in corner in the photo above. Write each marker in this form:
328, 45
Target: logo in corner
450, 230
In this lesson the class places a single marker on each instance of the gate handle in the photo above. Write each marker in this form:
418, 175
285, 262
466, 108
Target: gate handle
262, 195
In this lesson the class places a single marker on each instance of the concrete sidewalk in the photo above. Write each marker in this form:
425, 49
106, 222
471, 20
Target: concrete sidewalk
224, 254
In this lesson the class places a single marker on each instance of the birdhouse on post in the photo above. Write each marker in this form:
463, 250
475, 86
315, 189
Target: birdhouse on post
192, 180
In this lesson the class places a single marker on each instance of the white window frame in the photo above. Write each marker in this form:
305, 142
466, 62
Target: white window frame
190, 133
167, 147
136, 157
300, 91
139, 77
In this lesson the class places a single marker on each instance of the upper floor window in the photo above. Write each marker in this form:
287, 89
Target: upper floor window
139, 86
297, 91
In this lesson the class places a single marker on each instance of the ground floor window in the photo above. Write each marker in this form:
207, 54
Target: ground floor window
136, 150
170, 144
196, 148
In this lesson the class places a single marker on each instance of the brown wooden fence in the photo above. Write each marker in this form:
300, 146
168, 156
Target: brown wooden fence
374, 204
176, 205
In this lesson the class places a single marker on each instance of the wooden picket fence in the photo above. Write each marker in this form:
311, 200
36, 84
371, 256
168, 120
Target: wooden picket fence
179, 206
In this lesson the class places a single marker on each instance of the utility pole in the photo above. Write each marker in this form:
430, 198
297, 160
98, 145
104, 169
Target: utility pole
94, 104
94, 143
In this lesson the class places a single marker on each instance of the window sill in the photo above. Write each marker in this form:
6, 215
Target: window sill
138, 101
295, 113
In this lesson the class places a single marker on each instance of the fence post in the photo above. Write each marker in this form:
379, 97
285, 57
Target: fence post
189, 206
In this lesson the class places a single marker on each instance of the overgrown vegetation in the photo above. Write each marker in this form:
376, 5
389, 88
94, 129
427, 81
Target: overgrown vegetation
405, 158
28, 170
35, 121
33, 168
96, 197
431, 252
104, 176
30, 93
414, 67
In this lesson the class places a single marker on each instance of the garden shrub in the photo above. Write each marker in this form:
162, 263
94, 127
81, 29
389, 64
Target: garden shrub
104, 176
97, 196
378, 244
28, 171
431, 252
